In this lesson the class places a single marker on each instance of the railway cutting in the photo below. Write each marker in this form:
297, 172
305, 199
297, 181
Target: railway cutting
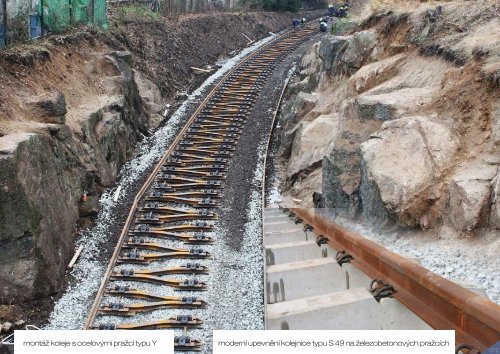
171, 225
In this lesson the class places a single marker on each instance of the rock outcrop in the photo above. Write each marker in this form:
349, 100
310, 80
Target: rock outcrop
38, 190
471, 192
413, 133
495, 202
347, 54
44, 173
50, 107
309, 147
401, 164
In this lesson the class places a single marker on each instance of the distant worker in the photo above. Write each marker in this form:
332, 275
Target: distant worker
322, 19
303, 21
323, 26
331, 10
342, 8
296, 23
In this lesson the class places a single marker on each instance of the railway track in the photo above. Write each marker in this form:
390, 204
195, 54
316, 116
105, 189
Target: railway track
311, 260
160, 258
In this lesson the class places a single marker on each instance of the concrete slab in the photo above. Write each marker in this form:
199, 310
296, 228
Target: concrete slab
281, 226
327, 250
355, 277
394, 315
292, 252
282, 237
310, 235
350, 309
273, 212
296, 280
276, 218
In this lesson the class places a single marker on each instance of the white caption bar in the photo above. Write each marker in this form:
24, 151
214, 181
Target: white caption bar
318, 342
94, 342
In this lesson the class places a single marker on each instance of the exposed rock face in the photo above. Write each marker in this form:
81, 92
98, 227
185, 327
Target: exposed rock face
401, 163
417, 122
391, 105
51, 107
372, 74
331, 49
347, 54
310, 72
37, 214
361, 44
303, 104
308, 146
43, 175
151, 96
495, 202
495, 123
470, 196
340, 170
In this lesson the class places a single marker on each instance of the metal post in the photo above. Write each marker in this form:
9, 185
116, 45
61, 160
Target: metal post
70, 3
91, 11
4, 7
42, 32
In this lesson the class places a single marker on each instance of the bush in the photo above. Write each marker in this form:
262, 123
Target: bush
134, 12
281, 5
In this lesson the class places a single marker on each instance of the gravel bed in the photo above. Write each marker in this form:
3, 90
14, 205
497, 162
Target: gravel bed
471, 263
235, 279
72, 308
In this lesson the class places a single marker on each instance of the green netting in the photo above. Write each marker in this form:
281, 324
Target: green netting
100, 18
57, 15
80, 11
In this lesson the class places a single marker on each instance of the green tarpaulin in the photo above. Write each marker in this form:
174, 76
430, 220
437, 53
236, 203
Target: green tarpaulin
59, 14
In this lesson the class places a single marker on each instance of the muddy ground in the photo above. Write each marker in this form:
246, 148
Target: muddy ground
164, 50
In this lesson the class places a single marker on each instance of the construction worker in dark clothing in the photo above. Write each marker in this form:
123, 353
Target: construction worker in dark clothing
344, 7
296, 23
342, 10
323, 26
339, 10
331, 10
303, 21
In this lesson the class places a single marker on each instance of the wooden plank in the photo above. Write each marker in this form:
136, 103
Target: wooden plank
248, 38
75, 257
200, 69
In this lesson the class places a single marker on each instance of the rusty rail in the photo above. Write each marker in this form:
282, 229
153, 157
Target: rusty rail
439, 302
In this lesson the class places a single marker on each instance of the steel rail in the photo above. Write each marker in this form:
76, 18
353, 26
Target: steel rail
264, 175
439, 302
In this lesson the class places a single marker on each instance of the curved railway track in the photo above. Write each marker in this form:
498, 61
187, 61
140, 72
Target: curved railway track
164, 239
172, 221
